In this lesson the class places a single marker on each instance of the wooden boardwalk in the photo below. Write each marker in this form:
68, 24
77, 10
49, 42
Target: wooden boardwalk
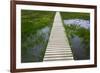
58, 47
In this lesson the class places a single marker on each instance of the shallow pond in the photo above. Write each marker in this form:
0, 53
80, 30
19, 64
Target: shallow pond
78, 48
81, 22
78, 45
39, 42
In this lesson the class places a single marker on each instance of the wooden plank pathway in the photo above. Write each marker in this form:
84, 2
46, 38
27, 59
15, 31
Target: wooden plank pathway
58, 47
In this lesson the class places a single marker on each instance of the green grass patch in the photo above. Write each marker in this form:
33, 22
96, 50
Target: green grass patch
75, 15
31, 21
33, 43
72, 30
83, 34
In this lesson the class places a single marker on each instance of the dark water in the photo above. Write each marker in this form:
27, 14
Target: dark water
78, 47
39, 42
77, 43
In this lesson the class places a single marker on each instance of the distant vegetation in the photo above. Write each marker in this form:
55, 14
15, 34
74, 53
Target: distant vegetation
75, 15
31, 22
76, 30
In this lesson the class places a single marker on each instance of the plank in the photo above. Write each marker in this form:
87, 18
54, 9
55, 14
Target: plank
58, 47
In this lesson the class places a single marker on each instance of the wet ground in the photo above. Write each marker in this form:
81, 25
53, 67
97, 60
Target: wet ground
78, 43
39, 40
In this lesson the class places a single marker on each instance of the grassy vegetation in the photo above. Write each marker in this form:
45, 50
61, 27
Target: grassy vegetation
76, 30
83, 34
75, 15
31, 23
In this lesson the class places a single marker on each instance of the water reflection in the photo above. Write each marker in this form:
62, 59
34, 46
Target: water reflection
81, 22
80, 44
39, 42
78, 47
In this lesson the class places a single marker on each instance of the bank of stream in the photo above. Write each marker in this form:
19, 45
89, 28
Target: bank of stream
35, 32
78, 33
39, 42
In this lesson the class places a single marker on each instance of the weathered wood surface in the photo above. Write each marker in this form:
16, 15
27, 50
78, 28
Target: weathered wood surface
58, 47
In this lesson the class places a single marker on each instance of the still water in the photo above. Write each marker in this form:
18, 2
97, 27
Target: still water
78, 45
81, 22
39, 42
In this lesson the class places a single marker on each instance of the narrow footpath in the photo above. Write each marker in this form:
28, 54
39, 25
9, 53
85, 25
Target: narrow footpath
58, 47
